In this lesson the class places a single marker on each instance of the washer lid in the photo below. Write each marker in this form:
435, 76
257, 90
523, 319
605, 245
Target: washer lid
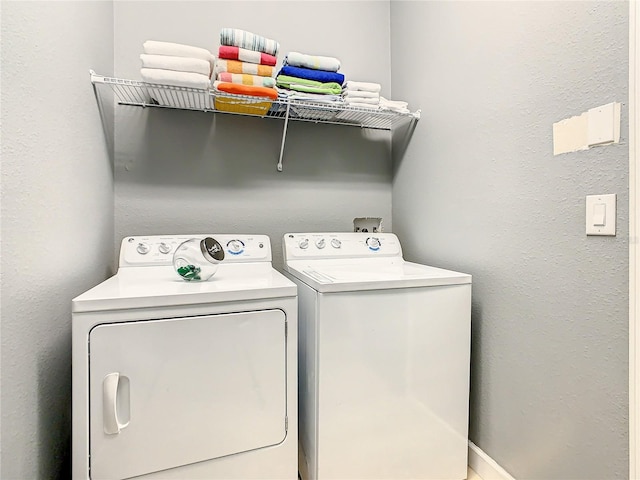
367, 274
160, 286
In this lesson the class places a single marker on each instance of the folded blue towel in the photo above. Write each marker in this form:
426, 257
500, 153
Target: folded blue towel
310, 74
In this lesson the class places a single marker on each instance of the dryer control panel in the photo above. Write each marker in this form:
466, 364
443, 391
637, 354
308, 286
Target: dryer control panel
340, 245
158, 249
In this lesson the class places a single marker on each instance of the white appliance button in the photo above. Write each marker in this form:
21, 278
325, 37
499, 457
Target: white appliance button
164, 248
304, 243
335, 243
143, 248
373, 243
320, 243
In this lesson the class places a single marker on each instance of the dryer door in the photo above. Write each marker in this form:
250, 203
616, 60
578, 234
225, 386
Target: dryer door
166, 393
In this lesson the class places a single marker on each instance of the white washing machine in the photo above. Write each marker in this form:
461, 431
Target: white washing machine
383, 358
186, 380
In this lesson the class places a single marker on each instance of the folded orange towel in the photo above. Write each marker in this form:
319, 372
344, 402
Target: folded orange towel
244, 55
239, 89
236, 66
245, 79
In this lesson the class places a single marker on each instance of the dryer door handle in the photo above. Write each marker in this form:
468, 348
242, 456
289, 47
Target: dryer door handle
111, 395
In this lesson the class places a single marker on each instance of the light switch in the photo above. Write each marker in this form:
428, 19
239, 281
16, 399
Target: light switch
601, 214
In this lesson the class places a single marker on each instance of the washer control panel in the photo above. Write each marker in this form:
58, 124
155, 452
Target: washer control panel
338, 245
158, 249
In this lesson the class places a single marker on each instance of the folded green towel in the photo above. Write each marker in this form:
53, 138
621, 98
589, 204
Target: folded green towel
311, 86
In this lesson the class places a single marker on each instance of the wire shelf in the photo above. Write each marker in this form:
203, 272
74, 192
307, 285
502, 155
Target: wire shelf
132, 92
142, 94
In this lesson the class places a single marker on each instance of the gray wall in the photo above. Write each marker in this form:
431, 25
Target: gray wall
57, 217
479, 190
190, 172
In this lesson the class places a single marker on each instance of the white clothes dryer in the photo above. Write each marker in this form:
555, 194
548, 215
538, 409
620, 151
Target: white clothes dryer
383, 356
175, 379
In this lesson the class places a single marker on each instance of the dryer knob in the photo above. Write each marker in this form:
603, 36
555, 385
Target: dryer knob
320, 243
335, 243
303, 244
164, 248
143, 248
236, 247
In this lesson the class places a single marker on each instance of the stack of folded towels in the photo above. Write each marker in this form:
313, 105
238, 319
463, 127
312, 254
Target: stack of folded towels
175, 64
246, 64
362, 94
394, 105
310, 76
367, 95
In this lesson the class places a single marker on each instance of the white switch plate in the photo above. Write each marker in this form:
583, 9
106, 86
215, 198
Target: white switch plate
594, 214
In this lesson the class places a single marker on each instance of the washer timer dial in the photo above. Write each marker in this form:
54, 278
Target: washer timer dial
373, 243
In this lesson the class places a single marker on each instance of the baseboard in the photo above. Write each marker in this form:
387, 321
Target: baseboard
485, 466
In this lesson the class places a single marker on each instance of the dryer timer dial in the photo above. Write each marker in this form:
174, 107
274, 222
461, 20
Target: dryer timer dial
235, 247
164, 248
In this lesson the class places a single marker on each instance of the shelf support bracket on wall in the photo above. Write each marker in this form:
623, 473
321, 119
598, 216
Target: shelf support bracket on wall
284, 137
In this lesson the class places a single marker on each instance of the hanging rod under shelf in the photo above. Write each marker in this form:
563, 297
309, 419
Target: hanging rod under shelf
142, 94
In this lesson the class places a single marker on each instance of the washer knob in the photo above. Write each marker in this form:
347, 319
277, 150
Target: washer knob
236, 247
304, 243
143, 248
335, 243
373, 243
164, 248
320, 243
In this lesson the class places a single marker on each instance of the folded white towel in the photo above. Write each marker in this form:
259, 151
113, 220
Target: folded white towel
363, 86
178, 64
364, 105
347, 93
178, 79
369, 101
316, 62
394, 105
315, 97
153, 47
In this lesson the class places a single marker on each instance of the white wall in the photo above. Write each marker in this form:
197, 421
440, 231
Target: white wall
190, 172
479, 190
57, 217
